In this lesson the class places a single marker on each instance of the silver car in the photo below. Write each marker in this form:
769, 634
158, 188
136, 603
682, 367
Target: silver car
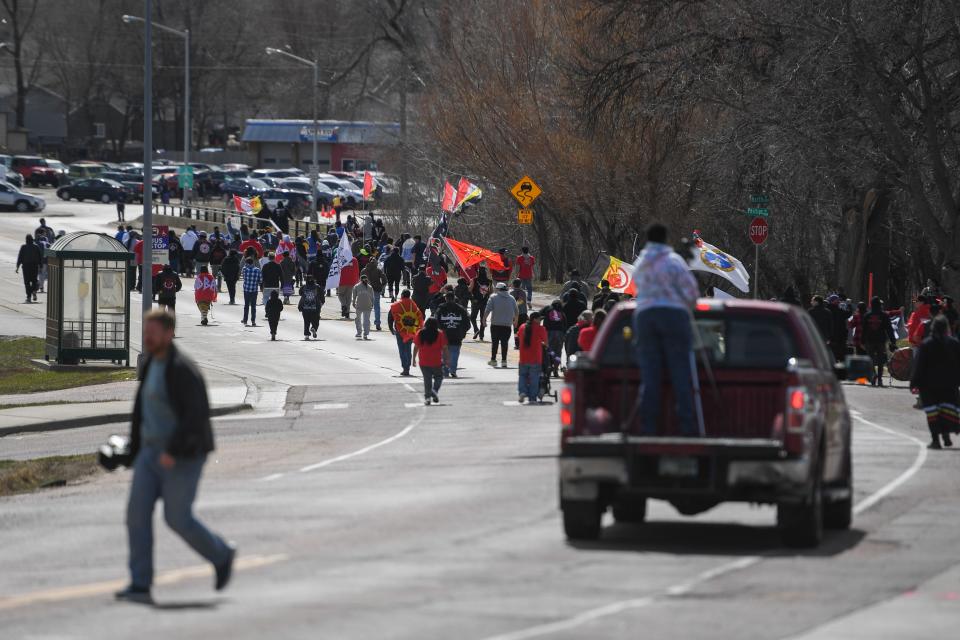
13, 198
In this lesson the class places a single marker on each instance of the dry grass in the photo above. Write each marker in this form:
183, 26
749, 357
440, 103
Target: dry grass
24, 476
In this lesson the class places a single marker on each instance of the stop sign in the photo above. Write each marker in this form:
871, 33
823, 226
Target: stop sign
759, 230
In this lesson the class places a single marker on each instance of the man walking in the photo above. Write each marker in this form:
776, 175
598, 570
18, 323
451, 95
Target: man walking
170, 438
121, 205
393, 268
455, 322
377, 281
666, 293
503, 312
30, 257
272, 275
311, 301
363, 297
525, 263
252, 278
404, 321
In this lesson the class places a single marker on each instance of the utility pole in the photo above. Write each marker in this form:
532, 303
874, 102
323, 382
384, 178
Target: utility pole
146, 276
404, 166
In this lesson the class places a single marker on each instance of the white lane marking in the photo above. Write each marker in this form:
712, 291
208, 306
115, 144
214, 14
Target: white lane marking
272, 477
359, 452
331, 406
412, 405
894, 484
724, 569
511, 403
74, 592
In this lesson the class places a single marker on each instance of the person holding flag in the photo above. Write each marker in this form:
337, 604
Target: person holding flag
666, 293
405, 321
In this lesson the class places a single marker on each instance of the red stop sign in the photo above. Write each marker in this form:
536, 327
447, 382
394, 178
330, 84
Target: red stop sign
759, 230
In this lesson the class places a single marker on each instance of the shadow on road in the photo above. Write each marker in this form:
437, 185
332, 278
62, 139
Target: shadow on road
697, 538
187, 605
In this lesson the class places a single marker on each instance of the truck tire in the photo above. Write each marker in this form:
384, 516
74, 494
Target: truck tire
581, 520
838, 514
632, 512
801, 524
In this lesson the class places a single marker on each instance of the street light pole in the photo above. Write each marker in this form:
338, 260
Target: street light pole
314, 170
146, 275
185, 34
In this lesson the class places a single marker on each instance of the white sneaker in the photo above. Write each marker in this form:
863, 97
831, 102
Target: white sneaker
503, 365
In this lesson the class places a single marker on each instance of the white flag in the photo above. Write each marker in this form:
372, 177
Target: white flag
341, 258
707, 257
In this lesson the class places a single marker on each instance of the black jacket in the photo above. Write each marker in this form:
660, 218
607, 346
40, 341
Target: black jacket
823, 319
30, 255
875, 329
230, 269
574, 303
420, 286
937, 365
273, 308
188, 395
600, 300
455, 322
393, 266
272, 274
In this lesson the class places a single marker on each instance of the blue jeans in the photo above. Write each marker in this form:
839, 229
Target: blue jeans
663, 334
527, 285
376, 310
432, 379
406, 353
454, 351
249, 304
178, 488
529, 384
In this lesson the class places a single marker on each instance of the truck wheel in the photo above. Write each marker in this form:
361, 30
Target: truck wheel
632, 512
581, 520
801, 524
838, 514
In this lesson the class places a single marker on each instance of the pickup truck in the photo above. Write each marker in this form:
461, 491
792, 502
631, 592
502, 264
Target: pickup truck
776, 426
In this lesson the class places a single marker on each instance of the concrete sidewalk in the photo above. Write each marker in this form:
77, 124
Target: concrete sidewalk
54, 417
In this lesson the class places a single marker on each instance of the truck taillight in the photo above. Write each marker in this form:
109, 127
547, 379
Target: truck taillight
800, 405
566, 415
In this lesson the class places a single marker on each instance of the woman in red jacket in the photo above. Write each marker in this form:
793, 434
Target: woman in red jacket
589, 334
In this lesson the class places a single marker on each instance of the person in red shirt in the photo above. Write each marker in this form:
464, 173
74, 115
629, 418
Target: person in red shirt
349, 277
204, 292
533, 338
525, 263
502, 275
430, 344
589, 334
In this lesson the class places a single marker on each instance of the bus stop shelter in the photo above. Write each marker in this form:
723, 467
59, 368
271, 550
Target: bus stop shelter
88, 299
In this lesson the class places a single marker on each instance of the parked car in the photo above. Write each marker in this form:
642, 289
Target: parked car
60, 169
12, 197
347, 191
85, 169
7, 173
133, 182
777, 427
36, 171
324, 195
292, 172
243, 187
95, 189
297, 203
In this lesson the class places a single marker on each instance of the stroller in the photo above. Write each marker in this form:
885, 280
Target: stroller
549, 363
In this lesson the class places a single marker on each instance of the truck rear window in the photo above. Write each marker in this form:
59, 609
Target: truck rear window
751, 342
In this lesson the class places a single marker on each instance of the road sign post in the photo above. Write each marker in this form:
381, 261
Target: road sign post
758, 231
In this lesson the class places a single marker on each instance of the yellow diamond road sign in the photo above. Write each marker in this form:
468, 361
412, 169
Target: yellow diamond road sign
525, 216
526, 191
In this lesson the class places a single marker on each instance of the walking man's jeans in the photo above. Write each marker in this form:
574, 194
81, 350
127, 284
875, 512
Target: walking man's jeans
406, 353
362, 320
663, 334
529, 384
454, 352
30, 278
432, 379
376, 310
232, 290
393, 287
527, 285
499, 336
250, 305
178, 488
311, 321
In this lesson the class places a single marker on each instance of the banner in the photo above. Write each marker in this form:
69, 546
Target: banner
161, 244
249, 206
449, 197
710, 259
615, 271
341, 258
368, 185
468, 255
466, 191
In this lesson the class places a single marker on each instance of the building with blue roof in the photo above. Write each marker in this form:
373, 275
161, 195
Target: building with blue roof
341, 145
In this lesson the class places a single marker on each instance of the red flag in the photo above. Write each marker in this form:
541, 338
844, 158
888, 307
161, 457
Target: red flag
449, 197
368, 185
468, 255
466, 191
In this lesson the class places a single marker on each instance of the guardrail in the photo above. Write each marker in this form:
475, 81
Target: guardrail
219, 215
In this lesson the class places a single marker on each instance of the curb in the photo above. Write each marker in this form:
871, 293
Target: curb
92, 421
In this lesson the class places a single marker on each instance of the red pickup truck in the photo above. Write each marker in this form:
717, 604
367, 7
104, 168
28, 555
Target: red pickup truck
777, 428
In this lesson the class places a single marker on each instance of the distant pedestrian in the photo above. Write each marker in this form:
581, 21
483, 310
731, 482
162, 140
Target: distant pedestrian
378, 282
420, 285
555, 323
29, 258
204, 292
272, 276
166, 286
404, 321
393, 269
170, 438
349, 278
502, 311
877, 336
288, 271
936, 378
430, 351
363, 297
311, 302
252, 278
571, 340
589, 334
533, 339
230, 271
121, 206
504, 271
272, 310
525, 263
480, 289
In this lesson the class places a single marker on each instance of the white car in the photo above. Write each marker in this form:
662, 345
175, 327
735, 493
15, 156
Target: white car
14, 198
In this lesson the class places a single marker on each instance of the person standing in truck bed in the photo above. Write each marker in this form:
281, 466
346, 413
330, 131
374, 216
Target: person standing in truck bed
666, 293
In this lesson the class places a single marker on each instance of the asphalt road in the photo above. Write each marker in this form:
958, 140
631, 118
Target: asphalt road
359, 513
